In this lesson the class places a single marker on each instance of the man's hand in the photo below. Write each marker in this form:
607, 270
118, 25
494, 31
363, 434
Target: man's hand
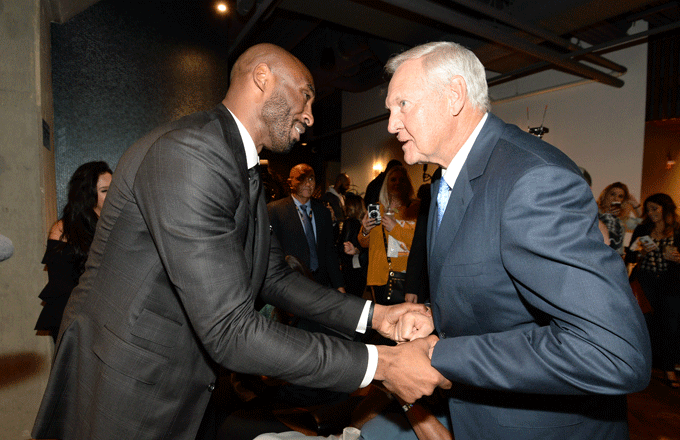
402, 322
411, 326
411, 297
406, 369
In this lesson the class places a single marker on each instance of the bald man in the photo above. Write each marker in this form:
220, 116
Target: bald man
182, 250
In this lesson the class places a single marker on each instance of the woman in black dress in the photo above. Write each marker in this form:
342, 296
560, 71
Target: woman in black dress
654, 247
354, 258
70, 239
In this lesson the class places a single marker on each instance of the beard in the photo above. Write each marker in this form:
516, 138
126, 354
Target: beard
276, 116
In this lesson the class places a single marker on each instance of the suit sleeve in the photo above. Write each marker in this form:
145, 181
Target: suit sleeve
589, 335
190, 195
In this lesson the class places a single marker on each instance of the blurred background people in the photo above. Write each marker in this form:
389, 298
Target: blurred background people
654, 247
373, 188
417, 285
354, 257
335, 197
620, 212
70, 239
304, 228
389, 241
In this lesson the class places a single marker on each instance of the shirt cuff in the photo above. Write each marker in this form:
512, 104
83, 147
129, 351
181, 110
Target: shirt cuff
363, 319
372, 366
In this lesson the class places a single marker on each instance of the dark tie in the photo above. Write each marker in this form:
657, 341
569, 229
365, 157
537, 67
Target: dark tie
306, 214
254, 177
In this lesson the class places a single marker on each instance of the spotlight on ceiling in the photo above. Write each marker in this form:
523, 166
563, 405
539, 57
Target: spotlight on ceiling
222, 7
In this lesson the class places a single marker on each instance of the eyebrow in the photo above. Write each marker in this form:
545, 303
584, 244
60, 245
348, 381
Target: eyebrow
311, 88
387, 98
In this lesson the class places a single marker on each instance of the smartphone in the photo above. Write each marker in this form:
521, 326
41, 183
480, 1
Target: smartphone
647, 241
374, 212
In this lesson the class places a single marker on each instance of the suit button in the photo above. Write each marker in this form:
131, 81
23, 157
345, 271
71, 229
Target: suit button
211, 387
442, 335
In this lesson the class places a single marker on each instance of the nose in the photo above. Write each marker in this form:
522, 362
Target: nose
394, 124
307, 117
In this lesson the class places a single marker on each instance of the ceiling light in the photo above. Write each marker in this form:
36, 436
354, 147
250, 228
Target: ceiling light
222, 7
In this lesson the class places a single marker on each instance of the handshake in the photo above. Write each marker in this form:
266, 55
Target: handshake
406, 369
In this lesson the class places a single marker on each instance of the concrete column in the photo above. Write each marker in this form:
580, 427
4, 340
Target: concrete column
27, 207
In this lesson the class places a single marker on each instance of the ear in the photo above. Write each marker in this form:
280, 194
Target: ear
261, 76
457, 95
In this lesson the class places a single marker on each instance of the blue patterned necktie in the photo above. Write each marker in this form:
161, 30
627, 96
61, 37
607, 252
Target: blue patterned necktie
306, 214
442, 199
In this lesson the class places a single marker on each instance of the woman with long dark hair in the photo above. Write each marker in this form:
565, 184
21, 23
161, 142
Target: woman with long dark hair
70, 239
654, 246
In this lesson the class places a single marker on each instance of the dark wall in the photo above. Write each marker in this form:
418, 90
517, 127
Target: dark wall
120, 69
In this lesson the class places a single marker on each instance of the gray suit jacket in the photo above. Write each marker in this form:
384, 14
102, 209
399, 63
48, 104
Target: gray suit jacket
176, 264
539, 329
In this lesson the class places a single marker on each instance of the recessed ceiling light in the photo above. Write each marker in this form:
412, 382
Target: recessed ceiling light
222, 8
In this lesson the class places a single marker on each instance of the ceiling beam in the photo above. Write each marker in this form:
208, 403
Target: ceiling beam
509, 76
459, 21
260, 9
537, 31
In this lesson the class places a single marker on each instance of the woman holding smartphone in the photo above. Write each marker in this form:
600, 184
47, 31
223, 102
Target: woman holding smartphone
654, 246
619, 211
387, 232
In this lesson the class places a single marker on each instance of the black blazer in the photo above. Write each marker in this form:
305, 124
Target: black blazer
177, 261
633, 256
286, 224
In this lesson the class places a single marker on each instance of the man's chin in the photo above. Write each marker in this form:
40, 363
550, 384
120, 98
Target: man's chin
410, 159
282, 148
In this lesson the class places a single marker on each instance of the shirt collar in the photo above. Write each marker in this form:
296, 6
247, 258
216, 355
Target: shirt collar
252, 158
450, 174
299, 204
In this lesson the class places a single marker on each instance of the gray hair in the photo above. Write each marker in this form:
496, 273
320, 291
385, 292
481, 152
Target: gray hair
442, 61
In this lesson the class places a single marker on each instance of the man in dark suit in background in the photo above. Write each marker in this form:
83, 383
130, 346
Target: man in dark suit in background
539, 331
181, 252
289, 218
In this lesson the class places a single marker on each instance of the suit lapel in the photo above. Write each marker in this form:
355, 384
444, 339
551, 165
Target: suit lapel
257, 238
261, 243
298, 231
440, 242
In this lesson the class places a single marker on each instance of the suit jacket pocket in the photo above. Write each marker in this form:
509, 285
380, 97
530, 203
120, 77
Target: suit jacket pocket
153, 327
127, 359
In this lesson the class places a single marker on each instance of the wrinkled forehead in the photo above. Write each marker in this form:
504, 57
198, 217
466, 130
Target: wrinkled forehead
408, 76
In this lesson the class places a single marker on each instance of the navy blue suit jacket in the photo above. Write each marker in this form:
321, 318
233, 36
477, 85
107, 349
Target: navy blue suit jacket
540, 332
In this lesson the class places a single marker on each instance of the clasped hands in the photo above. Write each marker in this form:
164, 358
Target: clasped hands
406, 369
